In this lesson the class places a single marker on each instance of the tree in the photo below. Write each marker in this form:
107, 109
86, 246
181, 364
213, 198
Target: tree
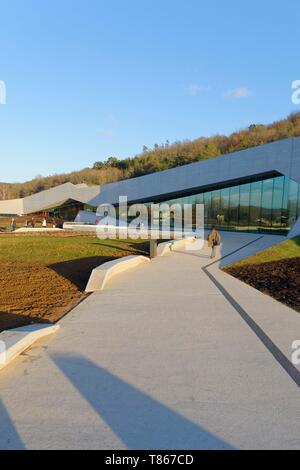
4, 191
162, 157
98, 165
112, 161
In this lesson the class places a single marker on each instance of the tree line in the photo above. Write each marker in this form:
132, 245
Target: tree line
161, 157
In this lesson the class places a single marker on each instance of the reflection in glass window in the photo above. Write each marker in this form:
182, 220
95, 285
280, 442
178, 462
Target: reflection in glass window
244, 205
224, 208
292, 202
284, 212
215, 206
255, 205
207, 207
234, 200
277, 220
271, 205
266, 203
200, 198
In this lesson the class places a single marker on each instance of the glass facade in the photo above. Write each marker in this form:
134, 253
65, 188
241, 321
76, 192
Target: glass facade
270, 205
68, 210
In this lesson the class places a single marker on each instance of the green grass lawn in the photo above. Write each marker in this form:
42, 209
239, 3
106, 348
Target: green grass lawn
43, 276
50, 249
286, 250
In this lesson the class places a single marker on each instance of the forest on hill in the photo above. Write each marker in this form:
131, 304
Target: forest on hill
160, 157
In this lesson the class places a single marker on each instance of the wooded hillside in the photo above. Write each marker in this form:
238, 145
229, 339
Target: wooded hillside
161, 157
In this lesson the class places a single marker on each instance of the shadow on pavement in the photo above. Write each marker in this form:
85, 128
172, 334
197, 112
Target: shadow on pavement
140, 421
9, 436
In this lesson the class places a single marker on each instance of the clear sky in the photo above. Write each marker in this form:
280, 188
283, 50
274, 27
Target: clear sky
89, 79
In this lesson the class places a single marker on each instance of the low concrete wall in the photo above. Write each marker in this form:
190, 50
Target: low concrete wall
101, 275
169, 246
37, 230
14, 342
179, 244
79, 227
164, 248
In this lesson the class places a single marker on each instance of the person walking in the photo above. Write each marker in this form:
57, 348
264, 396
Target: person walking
13, 224
214, 240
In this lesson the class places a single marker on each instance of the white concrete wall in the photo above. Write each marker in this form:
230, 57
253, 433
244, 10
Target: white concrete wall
58, 195
282, 156
101, 275
14, 342
49, 198
11, 207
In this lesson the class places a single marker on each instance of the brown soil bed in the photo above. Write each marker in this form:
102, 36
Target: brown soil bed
35, 293
279, 279
31, 293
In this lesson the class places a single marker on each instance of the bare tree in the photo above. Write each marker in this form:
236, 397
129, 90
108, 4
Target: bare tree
4, 191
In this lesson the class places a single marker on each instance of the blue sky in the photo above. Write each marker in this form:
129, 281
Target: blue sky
90, 79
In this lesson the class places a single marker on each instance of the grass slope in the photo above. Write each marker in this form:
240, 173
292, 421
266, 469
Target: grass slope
44, 276
275, 271
285, 250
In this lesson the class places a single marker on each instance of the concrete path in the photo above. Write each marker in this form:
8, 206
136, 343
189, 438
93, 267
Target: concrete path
169, 356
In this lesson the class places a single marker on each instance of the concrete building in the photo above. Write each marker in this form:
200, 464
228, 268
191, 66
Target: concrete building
62, 201
257, 189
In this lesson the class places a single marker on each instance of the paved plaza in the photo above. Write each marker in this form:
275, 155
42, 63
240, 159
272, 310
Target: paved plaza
171, 355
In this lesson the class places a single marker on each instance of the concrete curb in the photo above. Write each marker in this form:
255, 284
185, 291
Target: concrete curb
101, 275
169, 246
14, 342
177, 244
37, 230
164, 248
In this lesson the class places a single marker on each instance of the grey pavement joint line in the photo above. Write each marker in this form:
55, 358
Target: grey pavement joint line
278, 355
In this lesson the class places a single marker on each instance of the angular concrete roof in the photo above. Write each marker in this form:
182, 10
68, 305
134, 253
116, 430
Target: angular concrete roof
282, 157
11, 207
49, 198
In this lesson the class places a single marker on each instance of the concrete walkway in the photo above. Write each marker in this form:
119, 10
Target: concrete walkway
168, 356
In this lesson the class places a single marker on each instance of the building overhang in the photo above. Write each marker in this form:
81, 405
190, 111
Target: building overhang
50, 198
281, 157
277, 158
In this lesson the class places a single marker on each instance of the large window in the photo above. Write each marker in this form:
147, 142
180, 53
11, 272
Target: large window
278, 187
292, 202
269, 205
244, 206
255, 205
224, 208
234, 203
215, 206
266, 203
207, 208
